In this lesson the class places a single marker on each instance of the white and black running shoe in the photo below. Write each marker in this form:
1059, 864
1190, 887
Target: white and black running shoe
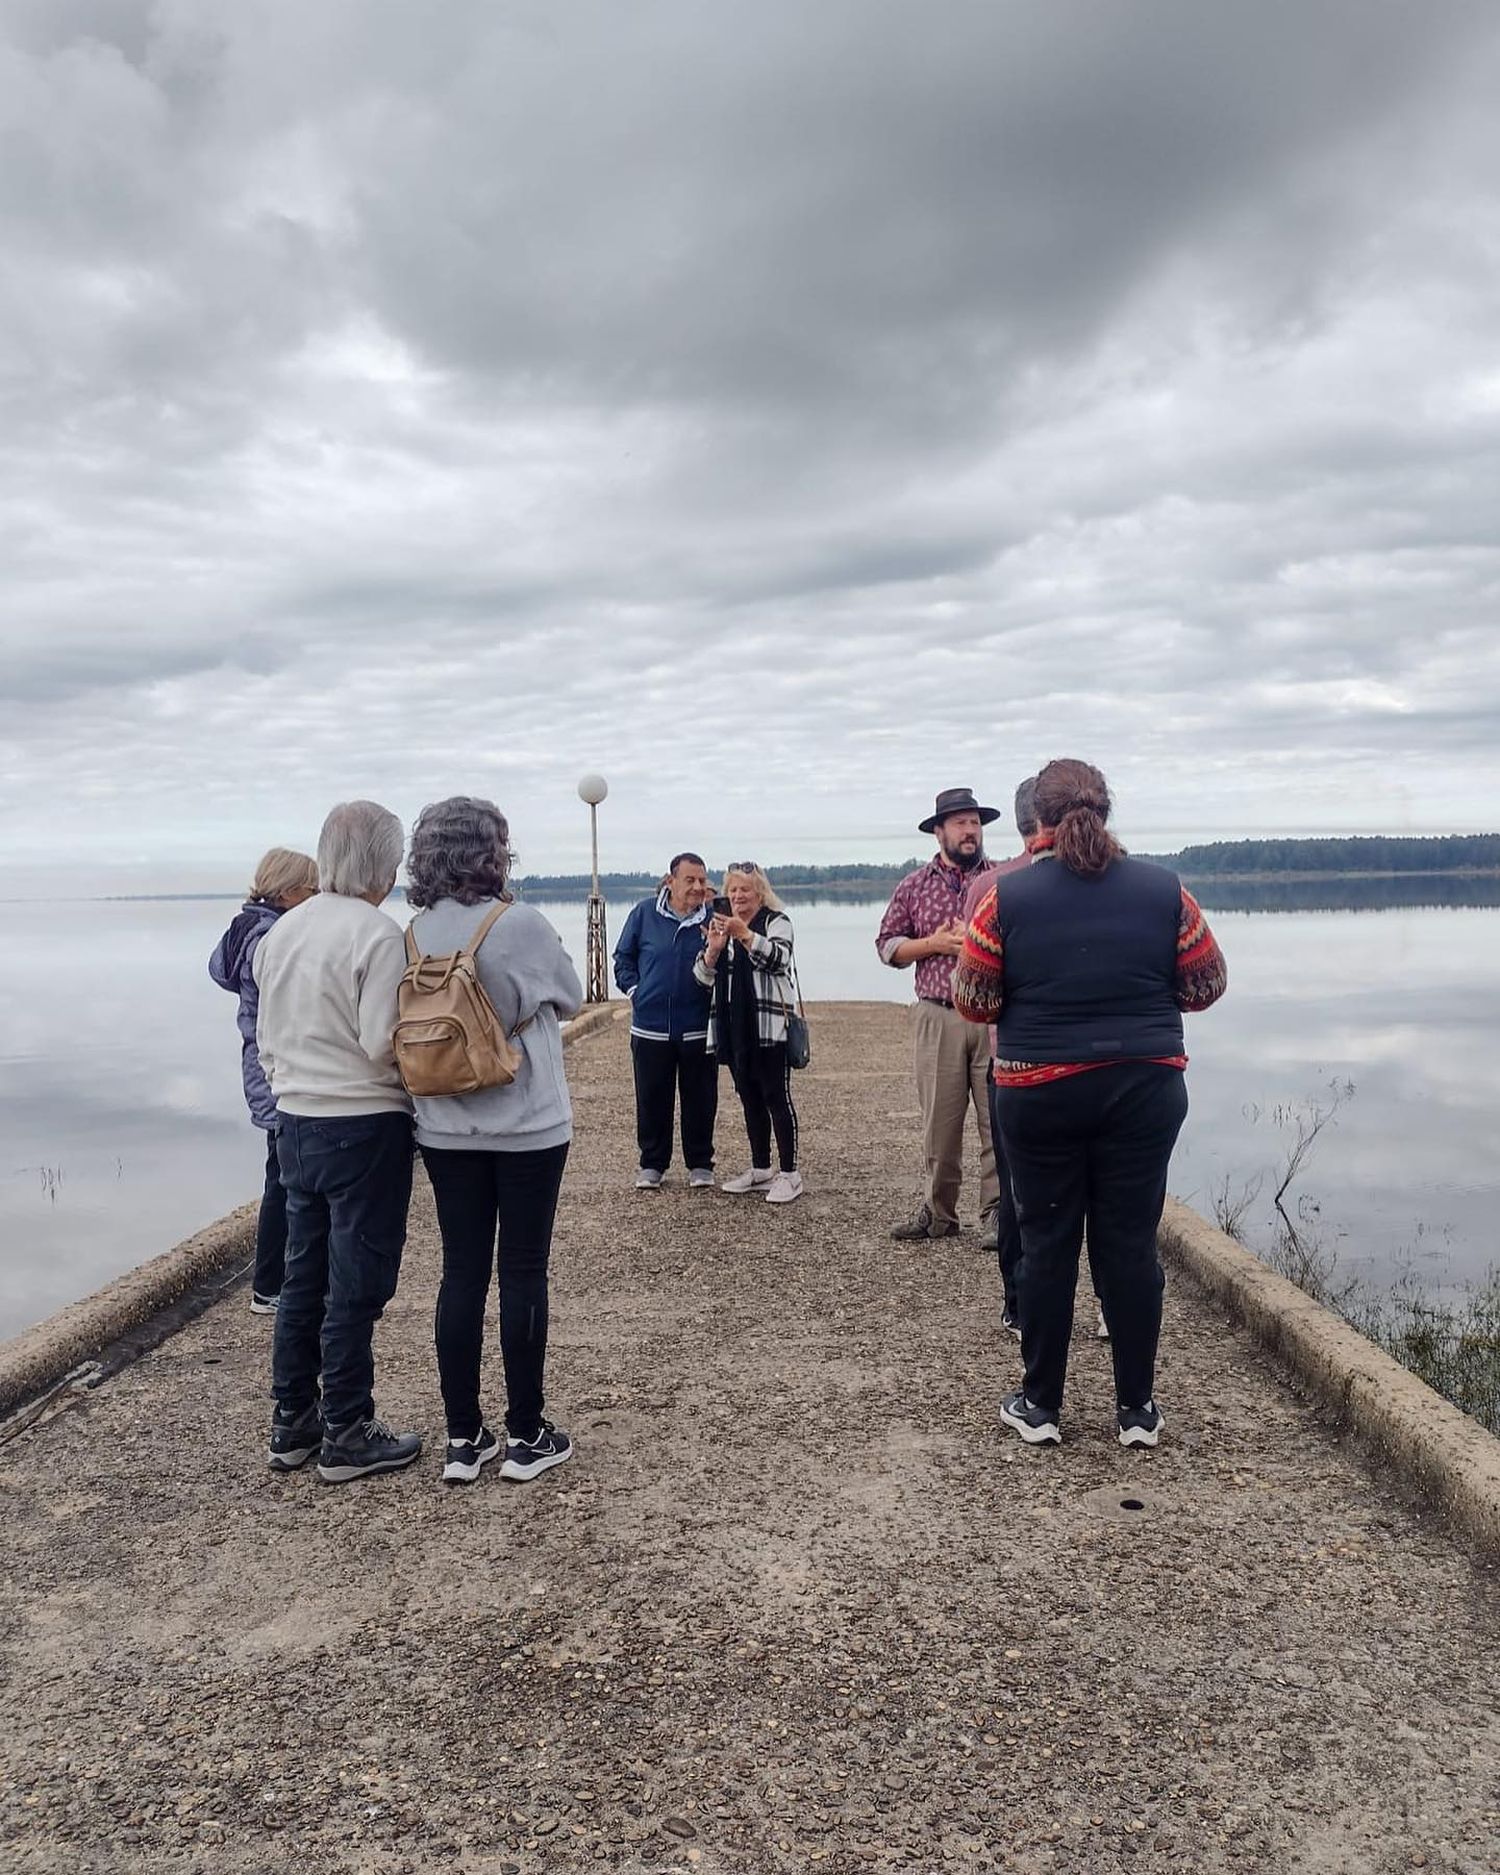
294, 1437
360, 1451
466, 1458
529, 1458
263, 1305
1140, 1425
1037, 1425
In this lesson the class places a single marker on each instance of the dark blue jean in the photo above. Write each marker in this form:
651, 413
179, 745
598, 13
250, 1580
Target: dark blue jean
270, 1227
348, 1183
1092, 1149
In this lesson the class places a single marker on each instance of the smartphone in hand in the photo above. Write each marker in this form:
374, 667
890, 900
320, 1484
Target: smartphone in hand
721, 907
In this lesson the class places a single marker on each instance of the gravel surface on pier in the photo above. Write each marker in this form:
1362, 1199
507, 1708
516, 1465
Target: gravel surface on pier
798, 1603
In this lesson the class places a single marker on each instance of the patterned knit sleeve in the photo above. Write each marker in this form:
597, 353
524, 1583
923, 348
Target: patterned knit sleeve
773, 952
979, 975
1202, 974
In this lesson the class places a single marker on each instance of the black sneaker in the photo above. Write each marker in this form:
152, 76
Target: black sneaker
467, 1457
1140, 1425
1037, 1425
529, 1458
360, 1450
1011, 1324
294, 1437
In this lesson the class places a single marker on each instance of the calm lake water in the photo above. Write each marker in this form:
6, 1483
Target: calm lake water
123, 1129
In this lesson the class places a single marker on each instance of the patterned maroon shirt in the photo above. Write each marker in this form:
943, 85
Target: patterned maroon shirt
923, 903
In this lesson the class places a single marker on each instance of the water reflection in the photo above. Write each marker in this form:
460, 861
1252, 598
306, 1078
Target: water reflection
122, 1127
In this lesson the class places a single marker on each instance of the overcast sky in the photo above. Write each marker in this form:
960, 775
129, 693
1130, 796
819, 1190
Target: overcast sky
788, 410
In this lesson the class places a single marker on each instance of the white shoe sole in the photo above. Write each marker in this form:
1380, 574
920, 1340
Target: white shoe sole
521, 1474
293, 1460
782, 1197
1033, 1435
262, 1308
1142, 1435
736, 1190
457, 1472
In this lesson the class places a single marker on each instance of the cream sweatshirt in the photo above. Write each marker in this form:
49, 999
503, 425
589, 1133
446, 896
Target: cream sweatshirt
328, 1008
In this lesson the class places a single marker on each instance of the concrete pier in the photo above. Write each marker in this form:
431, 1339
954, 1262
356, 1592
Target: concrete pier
798, 1604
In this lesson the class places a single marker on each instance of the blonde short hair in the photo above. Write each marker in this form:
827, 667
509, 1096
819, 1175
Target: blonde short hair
747, 869
281, 871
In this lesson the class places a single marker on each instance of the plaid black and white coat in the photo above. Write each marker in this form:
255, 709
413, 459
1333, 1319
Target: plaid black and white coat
770, 953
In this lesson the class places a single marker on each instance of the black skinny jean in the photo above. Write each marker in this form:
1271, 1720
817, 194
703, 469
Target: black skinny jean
686, 1071
1092, 1149
763, 1082
480, 1195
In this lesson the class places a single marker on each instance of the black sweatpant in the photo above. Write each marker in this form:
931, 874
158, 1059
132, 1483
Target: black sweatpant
1092, 1149
763, 1082
686, 1071
479, 1194
1009, 1231
270, 1228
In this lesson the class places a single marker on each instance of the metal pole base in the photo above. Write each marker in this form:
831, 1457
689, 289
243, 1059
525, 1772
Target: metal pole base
598, 981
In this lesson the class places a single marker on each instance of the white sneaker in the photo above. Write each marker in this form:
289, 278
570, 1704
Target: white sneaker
701, 1178
784, 1187
753, 1180
647, 1180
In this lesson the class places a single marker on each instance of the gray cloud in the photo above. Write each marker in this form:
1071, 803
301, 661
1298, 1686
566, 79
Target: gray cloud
786, 410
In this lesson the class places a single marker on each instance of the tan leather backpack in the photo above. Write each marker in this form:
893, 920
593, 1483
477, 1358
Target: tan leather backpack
448, 1038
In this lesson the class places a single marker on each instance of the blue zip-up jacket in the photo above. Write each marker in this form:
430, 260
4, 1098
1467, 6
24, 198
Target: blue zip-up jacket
230, 968
654, 966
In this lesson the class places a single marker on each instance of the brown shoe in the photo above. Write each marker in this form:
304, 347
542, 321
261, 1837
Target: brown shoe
922, 1224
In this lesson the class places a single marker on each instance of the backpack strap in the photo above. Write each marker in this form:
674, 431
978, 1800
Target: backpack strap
491, 917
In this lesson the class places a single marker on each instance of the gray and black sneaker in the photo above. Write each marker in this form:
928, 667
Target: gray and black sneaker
360, 1450
921, 1224
1037, 1425
1140, 1425
466, 1458
263, 1305
989, 1229
529, 1458
294, 1437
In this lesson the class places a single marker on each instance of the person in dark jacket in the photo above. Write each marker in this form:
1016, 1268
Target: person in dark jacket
1085, 962
282, 879
654, 960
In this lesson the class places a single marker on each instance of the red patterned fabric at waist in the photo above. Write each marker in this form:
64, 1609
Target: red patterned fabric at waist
1039, 1073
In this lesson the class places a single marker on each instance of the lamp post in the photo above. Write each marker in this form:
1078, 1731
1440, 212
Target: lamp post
593, 789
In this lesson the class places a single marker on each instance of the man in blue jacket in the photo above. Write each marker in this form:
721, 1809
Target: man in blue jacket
669, 1024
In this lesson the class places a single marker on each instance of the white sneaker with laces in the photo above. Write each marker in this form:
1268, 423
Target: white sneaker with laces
755, 1179
701, 1178
784, 1187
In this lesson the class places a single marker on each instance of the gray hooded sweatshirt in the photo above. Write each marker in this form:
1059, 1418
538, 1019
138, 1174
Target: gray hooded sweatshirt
528, 977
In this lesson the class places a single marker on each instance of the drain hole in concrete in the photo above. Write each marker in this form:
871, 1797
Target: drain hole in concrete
1131, 1503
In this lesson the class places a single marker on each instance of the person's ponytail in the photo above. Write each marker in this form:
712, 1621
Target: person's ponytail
1072, 798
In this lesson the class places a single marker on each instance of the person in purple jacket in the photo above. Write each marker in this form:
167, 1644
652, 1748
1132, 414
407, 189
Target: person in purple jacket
282, 879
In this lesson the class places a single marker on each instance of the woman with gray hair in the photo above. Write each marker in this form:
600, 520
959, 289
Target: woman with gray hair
327, 973
495, 1157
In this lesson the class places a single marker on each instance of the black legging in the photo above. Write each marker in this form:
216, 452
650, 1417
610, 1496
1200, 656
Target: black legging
763, 1082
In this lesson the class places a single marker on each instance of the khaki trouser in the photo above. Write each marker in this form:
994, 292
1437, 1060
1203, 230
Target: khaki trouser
951, 1058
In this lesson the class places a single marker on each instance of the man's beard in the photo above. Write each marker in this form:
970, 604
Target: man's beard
965, 862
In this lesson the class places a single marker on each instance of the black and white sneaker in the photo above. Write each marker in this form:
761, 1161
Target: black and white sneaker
294, 1437
359, 1451
1140, 1425
466, 1458
1010, 1324
1037, 1425
263, 1305
529, 1458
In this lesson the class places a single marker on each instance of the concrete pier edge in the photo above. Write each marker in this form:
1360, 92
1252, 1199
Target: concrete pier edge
40, 1356
1451, 1460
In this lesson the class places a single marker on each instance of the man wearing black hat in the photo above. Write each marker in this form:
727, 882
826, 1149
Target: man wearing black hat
923, 926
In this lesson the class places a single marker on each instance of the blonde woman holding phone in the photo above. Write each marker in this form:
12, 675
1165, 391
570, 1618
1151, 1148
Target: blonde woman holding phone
747, 963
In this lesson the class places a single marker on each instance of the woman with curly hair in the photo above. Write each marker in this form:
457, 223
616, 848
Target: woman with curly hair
495, 1158
1085, 962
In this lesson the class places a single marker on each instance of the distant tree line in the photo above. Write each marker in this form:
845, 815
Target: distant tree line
1360, 854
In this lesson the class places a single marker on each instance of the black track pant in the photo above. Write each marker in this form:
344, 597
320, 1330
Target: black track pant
764, 1085
668, 1073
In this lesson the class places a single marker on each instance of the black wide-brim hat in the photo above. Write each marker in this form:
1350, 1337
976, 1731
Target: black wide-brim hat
957, 801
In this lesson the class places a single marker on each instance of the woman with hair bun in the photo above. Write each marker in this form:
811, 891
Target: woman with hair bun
282, 879
1086, 962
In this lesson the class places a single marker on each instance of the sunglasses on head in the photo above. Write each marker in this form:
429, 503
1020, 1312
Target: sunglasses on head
743, 865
